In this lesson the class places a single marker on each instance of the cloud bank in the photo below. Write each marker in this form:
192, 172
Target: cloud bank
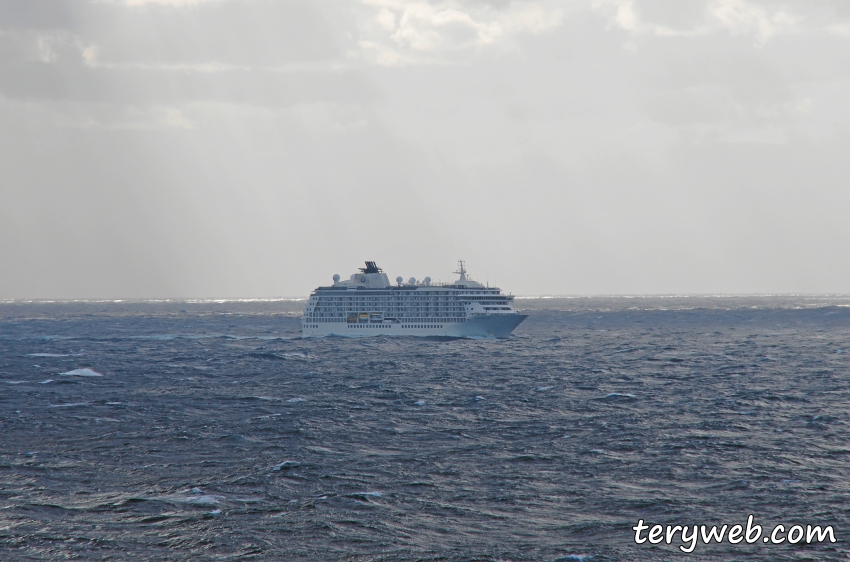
180, 148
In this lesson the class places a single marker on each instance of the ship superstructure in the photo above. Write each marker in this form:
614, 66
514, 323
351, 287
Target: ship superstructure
368, 304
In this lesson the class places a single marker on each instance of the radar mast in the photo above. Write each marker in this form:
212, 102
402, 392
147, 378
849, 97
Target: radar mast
461, 270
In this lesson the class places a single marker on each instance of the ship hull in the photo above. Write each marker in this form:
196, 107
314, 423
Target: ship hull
483, 326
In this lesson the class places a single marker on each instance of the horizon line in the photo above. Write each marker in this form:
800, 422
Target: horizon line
221, 300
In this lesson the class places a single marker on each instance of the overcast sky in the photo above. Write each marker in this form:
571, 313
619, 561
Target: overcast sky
253, 148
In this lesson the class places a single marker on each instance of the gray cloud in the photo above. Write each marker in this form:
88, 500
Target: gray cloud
247, 32
238, 52
77, 82
255, 33
37, 14
255, 148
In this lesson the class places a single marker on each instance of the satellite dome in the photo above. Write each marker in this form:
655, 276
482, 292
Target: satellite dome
336, 277
399, 280
412, 280
427, 280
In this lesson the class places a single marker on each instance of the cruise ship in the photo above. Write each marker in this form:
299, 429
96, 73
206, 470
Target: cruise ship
367, 304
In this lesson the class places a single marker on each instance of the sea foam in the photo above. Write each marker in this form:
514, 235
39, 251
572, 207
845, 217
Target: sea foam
84, 372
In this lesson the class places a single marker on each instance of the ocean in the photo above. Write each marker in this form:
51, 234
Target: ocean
209, 430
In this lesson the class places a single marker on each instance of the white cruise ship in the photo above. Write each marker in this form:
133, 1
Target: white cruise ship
367, 304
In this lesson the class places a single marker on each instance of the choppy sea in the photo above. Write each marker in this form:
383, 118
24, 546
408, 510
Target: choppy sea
211, 430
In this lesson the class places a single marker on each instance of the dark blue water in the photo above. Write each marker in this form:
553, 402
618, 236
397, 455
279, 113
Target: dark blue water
215, 432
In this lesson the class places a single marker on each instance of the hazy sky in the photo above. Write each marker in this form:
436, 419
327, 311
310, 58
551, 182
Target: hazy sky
253, 148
